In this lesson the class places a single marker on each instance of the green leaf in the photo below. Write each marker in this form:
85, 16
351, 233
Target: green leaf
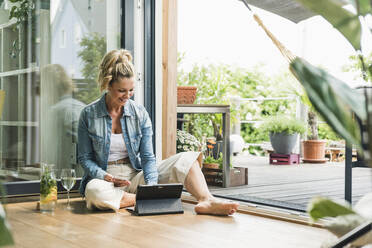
364, 7
283, 124
12, 12
320, 207
332, 98
344, 21
5, 235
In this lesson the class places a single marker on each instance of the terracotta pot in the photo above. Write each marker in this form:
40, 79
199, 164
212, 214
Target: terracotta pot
186, 94
314, 151
211, 166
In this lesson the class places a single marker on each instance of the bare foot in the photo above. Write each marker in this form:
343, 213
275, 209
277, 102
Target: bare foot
128, 200
215, 207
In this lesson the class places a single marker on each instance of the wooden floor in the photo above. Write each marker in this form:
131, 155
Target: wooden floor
296, 183
83, 228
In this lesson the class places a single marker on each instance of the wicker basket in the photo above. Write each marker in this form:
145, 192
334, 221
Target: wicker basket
186, 94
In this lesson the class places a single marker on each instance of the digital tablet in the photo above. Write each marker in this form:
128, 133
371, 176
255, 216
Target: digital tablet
158, 199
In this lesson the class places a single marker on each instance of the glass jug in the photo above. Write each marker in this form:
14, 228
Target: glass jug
48, 188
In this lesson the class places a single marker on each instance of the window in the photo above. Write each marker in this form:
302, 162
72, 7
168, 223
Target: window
63, 39
77, 33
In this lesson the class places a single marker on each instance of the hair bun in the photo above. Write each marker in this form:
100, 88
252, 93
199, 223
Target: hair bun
115, 65
124, 56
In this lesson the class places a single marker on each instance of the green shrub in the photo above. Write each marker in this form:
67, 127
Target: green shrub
326, 132
218, 83
287, 125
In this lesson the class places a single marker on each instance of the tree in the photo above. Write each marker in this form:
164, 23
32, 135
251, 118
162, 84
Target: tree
93, 49
362, 67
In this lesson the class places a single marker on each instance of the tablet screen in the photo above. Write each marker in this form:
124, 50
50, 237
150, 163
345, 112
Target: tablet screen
159, 191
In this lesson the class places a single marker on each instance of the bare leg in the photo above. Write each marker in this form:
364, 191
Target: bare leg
128, 200
207, 204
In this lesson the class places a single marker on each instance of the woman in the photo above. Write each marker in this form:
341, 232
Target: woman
61, 120
115, 147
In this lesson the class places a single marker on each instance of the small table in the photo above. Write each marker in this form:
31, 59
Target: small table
334, 153
215, 109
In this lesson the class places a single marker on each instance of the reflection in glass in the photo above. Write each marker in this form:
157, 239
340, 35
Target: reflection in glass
48, 71
62, 111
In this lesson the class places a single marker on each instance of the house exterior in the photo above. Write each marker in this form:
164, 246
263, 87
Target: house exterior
74, 20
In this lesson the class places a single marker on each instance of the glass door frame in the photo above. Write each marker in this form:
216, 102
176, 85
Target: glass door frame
24, 188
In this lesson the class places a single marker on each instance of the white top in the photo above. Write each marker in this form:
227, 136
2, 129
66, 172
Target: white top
118, 150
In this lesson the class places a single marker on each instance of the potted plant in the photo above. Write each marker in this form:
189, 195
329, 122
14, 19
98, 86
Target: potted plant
213, 84
283, 133
313, 148
211, 163
338, 104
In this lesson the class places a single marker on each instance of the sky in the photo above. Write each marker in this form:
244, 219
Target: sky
223, 31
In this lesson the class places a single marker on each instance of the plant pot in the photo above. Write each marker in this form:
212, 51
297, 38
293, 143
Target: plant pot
283, 143
186, 94
211, 166
314, 151
214, 176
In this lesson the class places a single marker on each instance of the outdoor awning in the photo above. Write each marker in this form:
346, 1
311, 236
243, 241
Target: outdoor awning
289, 9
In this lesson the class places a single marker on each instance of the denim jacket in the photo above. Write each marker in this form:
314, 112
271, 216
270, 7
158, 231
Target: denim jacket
94, 134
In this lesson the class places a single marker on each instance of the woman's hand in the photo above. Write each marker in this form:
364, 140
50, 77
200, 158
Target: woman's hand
108, 178
121, 182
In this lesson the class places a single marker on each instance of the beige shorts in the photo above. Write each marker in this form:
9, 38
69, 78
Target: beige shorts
103, 195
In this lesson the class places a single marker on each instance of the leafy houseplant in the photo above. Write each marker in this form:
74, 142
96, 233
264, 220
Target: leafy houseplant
283, 132
6, 237
336, 102
186, 142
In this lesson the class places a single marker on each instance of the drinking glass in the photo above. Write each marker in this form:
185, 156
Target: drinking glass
68, 179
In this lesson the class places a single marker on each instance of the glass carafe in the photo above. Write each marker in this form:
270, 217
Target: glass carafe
48, 188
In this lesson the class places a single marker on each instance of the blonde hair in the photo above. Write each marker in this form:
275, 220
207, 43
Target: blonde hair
115, 65
56, 83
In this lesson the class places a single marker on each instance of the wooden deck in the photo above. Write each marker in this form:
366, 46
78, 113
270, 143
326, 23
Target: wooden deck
296, 184
83, 228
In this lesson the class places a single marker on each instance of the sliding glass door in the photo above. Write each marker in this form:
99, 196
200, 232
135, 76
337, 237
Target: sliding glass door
48, 68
